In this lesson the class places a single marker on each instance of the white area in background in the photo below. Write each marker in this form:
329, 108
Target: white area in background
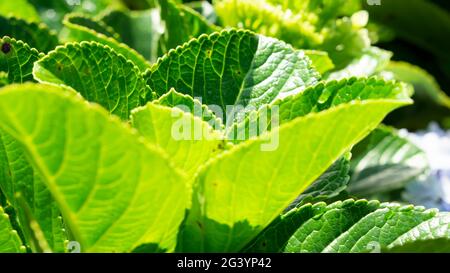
433, 189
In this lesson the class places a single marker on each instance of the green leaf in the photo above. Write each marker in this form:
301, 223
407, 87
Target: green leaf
24, 189
233, 68
17, 177
372, 61
268, 19
20, 9
234, 201
307, 25
140, 30
430, 236
188, 104
93, 24
345, 42
425, 85
330, 184
356, 226
98, 73
188, 140
9, 239
74, 32
306, 221
16, 59
35, 35
314, 99
385, 161
352, 226
3, 78
320, 60
84, 155
181, 24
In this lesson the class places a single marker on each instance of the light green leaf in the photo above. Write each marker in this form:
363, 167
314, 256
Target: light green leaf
98, 73
20, 9
24, 189
84, 155
35, 35
73, 32
189, 141
320, 60
425, 85
16, 59
140, 30
233, 68
188, 104
17, 176
383, 162
9, 239
430, 236
234, 201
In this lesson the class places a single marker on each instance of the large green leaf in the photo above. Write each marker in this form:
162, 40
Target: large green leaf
354, 226
17, 177
233, 68
36, 35
383, 162
74, 32
20, 9
314, 99
348, 226
114, 190
24, 189
9, 239
98, 73
234, 201
16, 59
430, 236
188, 140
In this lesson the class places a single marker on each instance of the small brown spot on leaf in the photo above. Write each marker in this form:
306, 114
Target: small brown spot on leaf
6, 48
